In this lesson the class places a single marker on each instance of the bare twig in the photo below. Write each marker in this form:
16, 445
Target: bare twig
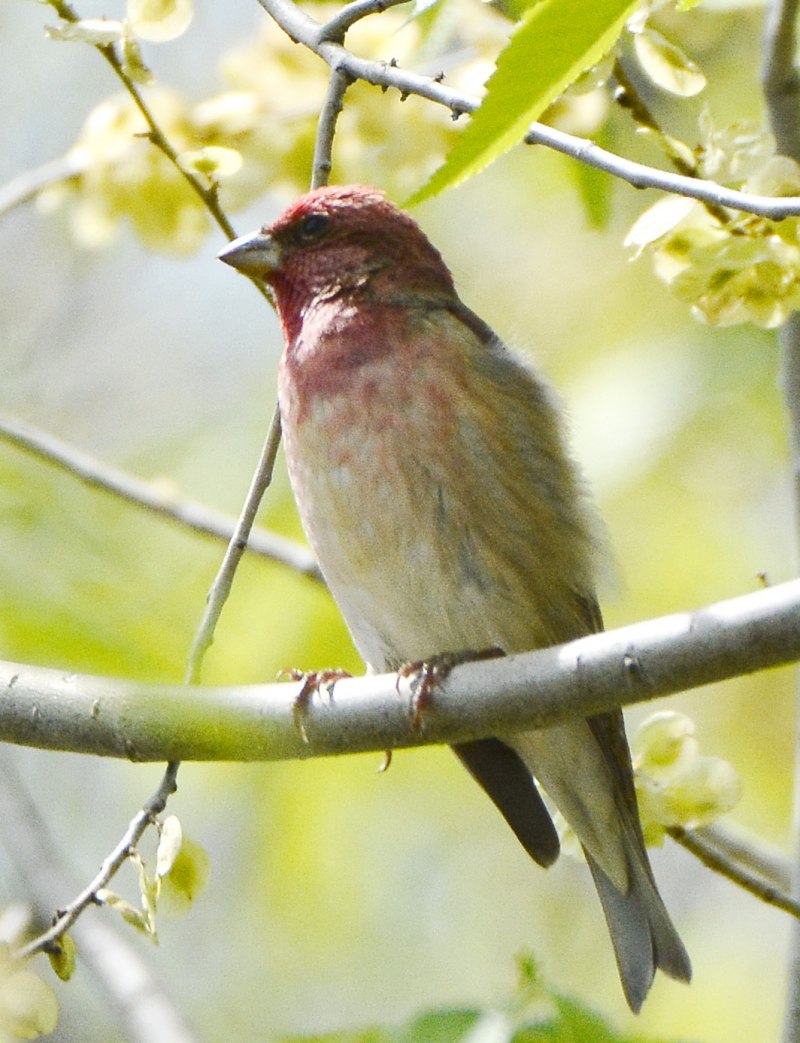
220, 590
317, 38
638, 663
137, 995
143, 818
150, 496
336, 26
207, 194
628, 97
765, 861
712, 856
338, 83
27, 186
221, 586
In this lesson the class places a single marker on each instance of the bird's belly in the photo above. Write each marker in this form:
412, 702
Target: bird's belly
393, 539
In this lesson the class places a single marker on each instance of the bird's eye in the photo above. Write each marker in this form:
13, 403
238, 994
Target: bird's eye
312, 227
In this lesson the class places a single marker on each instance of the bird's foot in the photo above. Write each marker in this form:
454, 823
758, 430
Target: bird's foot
426, 674
313, 681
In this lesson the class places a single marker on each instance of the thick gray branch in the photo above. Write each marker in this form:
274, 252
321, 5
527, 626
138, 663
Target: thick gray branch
55, 710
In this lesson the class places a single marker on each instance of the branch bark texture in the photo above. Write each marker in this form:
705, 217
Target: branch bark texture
50, 709
325, 40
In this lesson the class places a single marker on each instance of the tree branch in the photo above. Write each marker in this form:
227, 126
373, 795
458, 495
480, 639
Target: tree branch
323, 41
782, 94
53, 710
336, 26
149, 496
781, 89
708, 852
733, 844
143, 818
24, 187
338, 83
221, 587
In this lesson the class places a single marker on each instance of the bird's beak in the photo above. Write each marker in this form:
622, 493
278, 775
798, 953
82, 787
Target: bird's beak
256, 255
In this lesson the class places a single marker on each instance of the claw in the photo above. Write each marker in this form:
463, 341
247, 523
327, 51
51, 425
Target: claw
313, 681
426, 674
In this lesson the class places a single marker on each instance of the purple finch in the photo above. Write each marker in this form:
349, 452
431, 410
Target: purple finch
432, 479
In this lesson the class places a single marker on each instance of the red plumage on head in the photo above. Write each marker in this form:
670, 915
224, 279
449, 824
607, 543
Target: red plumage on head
363, 244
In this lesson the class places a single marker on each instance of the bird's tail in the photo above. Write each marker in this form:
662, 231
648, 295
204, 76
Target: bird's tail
641, 930
585, 768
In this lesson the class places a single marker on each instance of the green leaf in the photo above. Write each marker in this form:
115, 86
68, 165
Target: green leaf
515, 9
186, 878
567, 1022
62, 958
441, 1026
554, 43
577, 1022
129, 913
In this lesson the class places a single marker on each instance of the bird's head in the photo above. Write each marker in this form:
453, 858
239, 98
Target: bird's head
337, 241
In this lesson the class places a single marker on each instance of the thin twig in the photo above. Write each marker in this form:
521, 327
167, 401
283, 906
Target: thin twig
238, 542
628, 97
347, 16
703, 848
206, 192
136, 994
305, 30
220, 588
338, 82
143, 818
24, 187
150, 496
763, 860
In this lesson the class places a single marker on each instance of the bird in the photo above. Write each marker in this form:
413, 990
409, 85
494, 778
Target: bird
434, 481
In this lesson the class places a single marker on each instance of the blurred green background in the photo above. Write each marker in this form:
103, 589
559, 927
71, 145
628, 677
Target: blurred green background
339, 897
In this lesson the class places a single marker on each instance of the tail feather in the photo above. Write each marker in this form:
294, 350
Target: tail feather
506, 779
642, 934
585, 768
